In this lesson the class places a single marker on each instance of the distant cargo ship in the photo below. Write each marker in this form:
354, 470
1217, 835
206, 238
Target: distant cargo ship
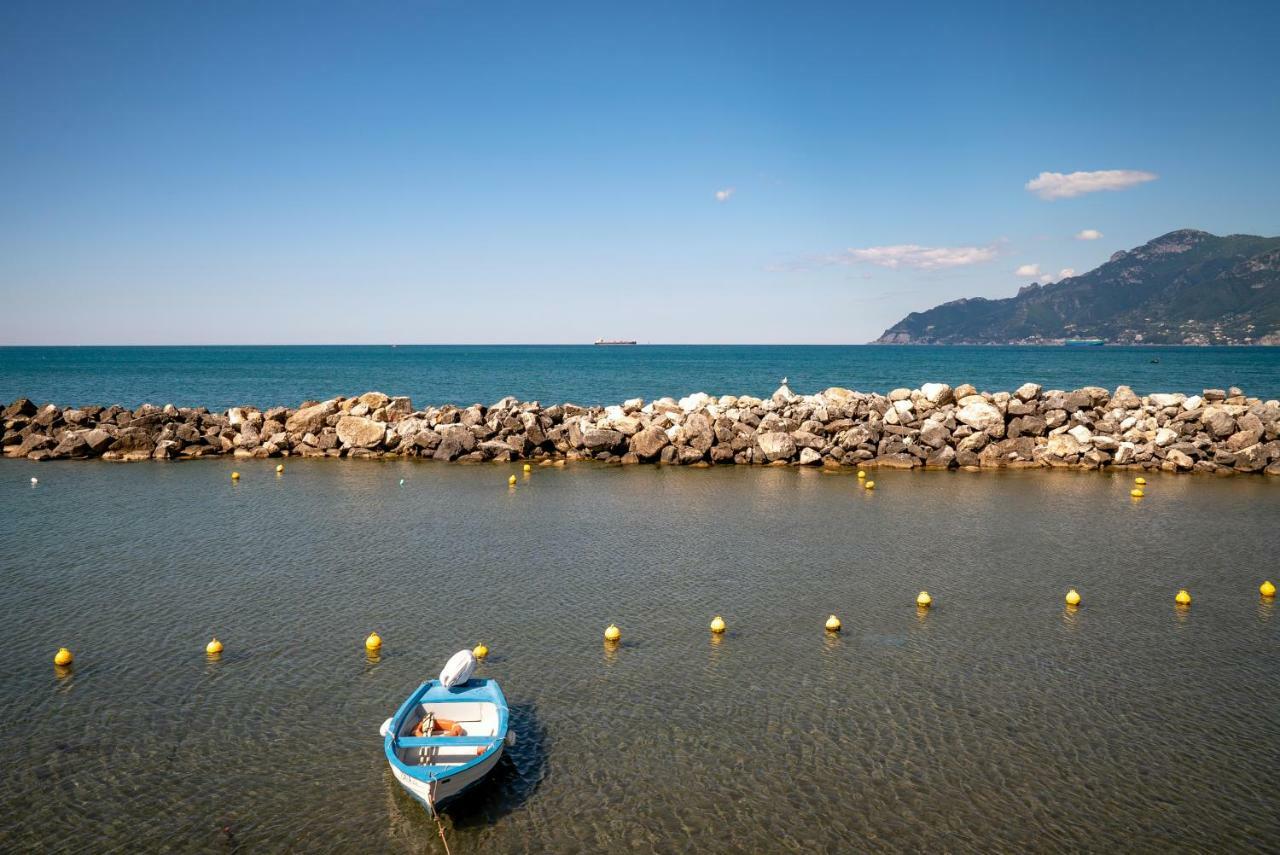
612, 341
1084, 342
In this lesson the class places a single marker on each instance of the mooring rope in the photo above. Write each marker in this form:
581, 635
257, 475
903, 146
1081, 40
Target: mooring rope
435, 814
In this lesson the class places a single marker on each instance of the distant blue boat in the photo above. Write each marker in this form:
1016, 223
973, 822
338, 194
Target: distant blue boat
1084, 342
468, 727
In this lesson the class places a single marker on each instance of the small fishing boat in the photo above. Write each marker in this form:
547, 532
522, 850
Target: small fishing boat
464, 730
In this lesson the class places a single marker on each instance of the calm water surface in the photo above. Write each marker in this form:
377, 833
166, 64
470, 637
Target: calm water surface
998, 721
221, 377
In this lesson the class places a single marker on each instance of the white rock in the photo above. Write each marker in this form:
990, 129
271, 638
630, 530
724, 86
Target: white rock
1165, 436
632, 404
903, 407
696, 401
809, 457
614, 412
236, 416
936, 393
1125, 453
1027, 391
1062, 445
1128, 423
1082, 434
980, 415
1192, 403
1162, 401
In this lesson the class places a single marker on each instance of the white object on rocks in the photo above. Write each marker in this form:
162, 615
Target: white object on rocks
1164, 436
458, 669
35, 481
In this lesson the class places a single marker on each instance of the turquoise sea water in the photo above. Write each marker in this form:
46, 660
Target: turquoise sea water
219, 377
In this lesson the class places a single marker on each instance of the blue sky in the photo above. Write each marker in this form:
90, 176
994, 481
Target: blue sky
671, 172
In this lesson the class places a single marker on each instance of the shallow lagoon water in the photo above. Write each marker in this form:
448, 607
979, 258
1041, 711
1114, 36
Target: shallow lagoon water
999, 720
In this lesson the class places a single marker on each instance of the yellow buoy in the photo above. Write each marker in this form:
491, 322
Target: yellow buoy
1136, 493
612, 633
870, 485
373, 642
862, 474
279, 468
1183, 598
1073, 597
833, 624
1267, 589
512, 480
717, 624
924, 600
1140, 481
235, 476
213, 648
63, 657
480, 651
528, 467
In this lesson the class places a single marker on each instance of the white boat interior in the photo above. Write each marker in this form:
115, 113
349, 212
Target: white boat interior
476, 719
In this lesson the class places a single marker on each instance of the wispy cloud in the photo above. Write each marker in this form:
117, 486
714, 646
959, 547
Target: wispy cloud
1088, 234
1057, 185
913, 256
724, 195
1032, 271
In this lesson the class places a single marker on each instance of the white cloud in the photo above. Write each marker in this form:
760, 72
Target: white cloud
1056, 185
1088, 234
914, 256
1048, 278
1028, 270
725, 194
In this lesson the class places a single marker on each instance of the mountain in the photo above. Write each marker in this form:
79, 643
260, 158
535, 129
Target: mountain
1186, 287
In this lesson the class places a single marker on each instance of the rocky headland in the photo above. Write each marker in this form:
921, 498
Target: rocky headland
933, 427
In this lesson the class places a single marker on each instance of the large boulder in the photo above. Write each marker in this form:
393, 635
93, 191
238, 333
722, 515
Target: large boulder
98, 440
1027, 392
980, 415
1125, 398
602, 439
934, 434
311, 419
360, 432
776, 445
374, 400
938, 394
1062, 445
21, 408
648, 443
133, 439
1218, 422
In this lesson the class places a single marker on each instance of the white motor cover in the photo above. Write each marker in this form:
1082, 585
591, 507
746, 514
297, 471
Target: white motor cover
458, 669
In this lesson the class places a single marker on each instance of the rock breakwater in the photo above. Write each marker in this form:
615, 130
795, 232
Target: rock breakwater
933, 427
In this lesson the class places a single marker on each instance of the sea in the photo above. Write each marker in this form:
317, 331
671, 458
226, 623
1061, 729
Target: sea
999, 720
222, 377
